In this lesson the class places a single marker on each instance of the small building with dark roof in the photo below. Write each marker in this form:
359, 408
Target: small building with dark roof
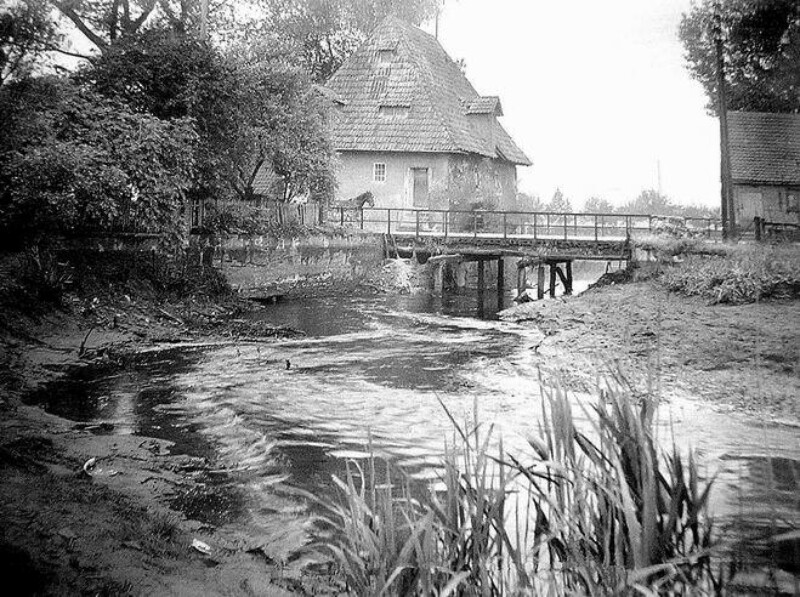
765, 166
410, 128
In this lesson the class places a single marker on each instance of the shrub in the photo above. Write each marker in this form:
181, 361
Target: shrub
745, 274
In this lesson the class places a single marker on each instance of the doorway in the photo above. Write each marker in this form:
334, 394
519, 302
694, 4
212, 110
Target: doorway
420, 196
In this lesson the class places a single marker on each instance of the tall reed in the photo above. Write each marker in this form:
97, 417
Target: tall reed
595, 510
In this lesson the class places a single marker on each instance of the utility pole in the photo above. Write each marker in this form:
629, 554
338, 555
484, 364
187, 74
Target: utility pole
728, 210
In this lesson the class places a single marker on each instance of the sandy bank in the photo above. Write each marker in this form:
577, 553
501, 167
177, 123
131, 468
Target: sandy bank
746, 356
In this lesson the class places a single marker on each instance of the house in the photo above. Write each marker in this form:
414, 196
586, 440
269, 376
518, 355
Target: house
765, 167
411, 129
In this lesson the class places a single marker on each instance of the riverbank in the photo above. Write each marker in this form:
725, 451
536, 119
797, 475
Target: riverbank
88, 510
744, 356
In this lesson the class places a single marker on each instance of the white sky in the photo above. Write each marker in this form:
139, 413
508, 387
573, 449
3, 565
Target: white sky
594, 91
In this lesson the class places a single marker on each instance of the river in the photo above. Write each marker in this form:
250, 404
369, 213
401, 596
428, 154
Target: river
272, 416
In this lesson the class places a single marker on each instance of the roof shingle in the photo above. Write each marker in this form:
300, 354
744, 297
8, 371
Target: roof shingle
765, 148
401, 65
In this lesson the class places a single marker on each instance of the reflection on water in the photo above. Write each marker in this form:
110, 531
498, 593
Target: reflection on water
288, 413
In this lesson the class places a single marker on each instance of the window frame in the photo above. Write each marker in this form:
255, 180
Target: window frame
376, 168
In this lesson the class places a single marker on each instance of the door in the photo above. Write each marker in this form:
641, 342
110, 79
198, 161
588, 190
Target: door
420, 197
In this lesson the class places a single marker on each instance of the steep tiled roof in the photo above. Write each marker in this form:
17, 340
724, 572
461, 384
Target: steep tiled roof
765, 148
402, 92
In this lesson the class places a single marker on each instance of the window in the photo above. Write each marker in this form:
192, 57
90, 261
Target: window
379, 173
793, 201
390, 111
386, 56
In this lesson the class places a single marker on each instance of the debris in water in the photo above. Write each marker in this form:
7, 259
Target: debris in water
288, 364
203, 548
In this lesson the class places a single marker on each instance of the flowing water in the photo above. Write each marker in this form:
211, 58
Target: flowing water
284, 414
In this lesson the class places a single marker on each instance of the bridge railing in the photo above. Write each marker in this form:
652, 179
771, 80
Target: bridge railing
543, 225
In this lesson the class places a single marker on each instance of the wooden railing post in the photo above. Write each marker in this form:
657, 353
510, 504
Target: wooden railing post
341, 216
388, 221
535, 223
417, 217
475, 224
565, 226
446, 223
362, 218
505, 225
628, 226
595, 228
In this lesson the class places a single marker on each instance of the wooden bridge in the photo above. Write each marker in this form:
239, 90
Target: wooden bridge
539, 239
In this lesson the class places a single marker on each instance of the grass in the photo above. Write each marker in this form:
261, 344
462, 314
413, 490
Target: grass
746, 273
591, 511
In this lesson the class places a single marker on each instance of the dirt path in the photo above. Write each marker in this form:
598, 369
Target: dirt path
746, 356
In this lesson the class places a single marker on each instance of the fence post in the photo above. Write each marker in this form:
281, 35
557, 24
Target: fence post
505, 225
535, 223
417, 216
446, 223
547, 225
341, 216
595, 227
361, 213
628, 226
475, 224
565, 226
388, 221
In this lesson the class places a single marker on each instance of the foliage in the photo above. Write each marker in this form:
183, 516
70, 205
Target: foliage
745, 274
251, 109
527, 202
26, 32
594, 512
74, 161
174, 76
325, 32
247, 218
280, 128
104, 22
598, 205
559, 202
761, 50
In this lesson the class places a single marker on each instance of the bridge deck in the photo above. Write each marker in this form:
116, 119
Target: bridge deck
591, 235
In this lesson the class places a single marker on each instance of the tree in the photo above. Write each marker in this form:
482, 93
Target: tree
281, 127
650, 202
174, 76
559, 203
598, 206
528, 202
325, 32
104, 22
73, 160
761, 51
26, 33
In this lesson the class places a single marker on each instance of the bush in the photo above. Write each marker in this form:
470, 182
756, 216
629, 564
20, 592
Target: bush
745, 274
72, 161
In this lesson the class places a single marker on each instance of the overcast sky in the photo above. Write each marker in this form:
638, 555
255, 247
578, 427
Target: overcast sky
595, 92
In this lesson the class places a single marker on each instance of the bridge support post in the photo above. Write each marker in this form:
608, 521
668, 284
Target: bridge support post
553, 270
568, 281
481, 286
540, 272
501, 274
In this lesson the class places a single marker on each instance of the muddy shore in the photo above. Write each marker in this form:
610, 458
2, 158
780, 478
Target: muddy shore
108, 528
744, 356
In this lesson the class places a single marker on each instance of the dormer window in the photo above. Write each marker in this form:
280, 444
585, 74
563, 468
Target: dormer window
393, 111
386, 56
